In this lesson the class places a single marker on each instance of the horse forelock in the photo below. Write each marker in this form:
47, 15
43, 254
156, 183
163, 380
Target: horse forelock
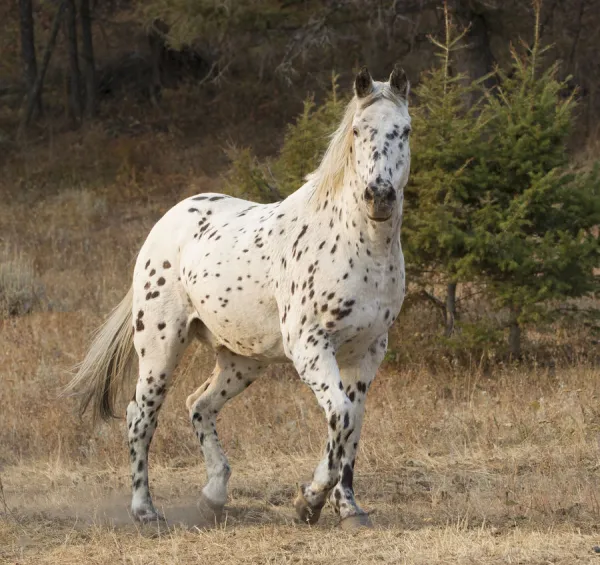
328, 178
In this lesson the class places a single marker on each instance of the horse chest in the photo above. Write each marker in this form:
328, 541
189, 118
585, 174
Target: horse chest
349, 301
379, 296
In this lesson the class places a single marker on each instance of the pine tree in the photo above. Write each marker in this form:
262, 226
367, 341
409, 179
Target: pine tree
445, 141
533, 240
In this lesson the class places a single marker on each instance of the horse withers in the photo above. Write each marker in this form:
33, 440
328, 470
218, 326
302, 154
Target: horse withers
315, 280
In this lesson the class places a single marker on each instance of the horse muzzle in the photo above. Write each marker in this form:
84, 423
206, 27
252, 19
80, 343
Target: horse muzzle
380, 200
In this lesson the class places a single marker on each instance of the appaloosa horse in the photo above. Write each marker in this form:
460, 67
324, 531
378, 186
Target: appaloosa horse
316, 280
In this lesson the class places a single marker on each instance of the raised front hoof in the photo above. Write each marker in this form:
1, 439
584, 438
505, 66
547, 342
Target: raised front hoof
306, 513
356, 522
210, 513
147, 516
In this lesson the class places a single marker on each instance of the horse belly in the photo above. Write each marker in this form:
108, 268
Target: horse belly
233, 300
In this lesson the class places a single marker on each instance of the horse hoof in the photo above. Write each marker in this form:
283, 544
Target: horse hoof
209, 511
306, 513
147, 516
355, 522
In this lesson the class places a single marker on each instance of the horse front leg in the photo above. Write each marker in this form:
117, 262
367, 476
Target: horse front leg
342, 393
318, 368
357, 378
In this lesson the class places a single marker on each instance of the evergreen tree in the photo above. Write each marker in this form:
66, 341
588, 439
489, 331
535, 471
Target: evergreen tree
445, 141
533, 239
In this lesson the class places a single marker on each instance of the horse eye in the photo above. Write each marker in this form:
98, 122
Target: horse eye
355, 131
406, 131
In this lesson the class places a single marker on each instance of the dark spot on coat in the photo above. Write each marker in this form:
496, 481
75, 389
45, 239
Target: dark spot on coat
347, 476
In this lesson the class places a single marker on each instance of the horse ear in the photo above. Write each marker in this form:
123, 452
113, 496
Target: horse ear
399, 82
363, 84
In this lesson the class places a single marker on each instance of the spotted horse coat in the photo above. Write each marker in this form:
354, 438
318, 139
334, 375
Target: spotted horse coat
315, 280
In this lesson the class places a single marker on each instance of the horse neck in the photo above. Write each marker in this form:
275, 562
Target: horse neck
383, 238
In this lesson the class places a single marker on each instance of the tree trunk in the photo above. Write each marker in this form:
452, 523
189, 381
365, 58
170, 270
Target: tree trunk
514, 334
450, 314
74, 74
87, 54
28, 47
35, 94
156, 41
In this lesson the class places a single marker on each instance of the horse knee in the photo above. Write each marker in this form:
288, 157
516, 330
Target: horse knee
341, 413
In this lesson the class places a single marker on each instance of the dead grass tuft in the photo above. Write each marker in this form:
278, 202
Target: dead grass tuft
21, 290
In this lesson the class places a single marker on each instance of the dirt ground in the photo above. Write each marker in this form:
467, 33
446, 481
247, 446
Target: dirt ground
80, 515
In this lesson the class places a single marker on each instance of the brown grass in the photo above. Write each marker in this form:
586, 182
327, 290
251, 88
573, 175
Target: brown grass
458, 465
455, 468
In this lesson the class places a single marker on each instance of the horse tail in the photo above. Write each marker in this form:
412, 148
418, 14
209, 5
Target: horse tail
100, 375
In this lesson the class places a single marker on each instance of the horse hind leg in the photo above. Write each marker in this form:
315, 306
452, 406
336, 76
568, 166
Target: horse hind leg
162, 322
232, 374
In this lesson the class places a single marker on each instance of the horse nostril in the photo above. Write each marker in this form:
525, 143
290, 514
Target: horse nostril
391, 195
368, 196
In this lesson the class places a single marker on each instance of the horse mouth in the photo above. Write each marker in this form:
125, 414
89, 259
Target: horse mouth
379, 219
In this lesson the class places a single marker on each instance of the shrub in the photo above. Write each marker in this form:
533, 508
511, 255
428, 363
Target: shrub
248, 178
303, 147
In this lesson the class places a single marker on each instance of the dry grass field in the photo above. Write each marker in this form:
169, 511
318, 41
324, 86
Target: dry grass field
457, 465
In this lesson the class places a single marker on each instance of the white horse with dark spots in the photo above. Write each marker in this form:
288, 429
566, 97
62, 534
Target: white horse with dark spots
315, 280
